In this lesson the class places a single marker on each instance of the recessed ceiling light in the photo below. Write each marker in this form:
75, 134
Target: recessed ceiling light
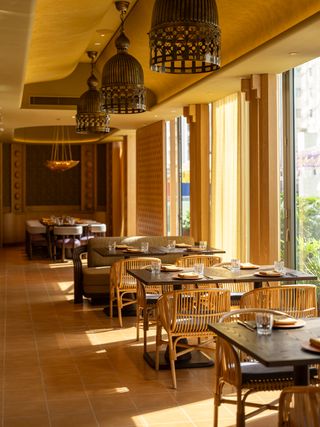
97, 44
293, 53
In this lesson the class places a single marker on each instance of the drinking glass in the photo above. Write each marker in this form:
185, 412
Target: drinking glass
155, 267
171, 244
203, 244
199, 268
145, 246
278, 266
264, 323
112, 246
235, 264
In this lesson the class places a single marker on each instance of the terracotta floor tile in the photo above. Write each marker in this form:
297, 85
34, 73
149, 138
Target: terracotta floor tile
65, 365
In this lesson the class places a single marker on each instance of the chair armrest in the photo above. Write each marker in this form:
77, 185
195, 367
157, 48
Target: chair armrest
78, 273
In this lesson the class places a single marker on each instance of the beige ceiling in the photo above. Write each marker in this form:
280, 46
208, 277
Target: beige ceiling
46, 40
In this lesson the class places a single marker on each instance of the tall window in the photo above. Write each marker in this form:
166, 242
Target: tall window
302, 151
178, 176
229, 176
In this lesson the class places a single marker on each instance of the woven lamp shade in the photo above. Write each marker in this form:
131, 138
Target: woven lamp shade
184, 37
91, 116
123, 81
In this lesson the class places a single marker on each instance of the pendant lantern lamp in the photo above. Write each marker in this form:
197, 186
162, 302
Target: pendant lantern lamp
91, 116
122, 76
184, 37
61, 156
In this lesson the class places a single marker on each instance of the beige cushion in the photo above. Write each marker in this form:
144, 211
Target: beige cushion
96, 276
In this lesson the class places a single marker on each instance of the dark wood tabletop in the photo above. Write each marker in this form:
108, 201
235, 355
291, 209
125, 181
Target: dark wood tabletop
220, 275
282, 348
155, 251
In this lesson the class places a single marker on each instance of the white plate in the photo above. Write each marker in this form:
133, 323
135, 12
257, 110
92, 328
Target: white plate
298, 324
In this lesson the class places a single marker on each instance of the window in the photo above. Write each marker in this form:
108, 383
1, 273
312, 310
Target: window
178, 177
301, 167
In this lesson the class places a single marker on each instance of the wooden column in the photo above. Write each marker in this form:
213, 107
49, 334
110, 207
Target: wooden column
130, 141
198, 119
88, 166
260, 90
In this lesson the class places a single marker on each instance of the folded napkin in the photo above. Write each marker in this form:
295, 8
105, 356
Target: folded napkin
284, 321
134, 250
188, 275
248, 266
315, 342
122, 246
183, 245
169, 267
269, 273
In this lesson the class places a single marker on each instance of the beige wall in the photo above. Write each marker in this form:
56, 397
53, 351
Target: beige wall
150, 180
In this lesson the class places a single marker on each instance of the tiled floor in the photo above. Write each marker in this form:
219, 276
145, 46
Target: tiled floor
70, 365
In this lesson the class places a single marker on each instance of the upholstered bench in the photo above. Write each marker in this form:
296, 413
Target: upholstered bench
92, 279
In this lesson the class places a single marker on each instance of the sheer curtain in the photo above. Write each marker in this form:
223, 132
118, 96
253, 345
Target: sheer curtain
229, 216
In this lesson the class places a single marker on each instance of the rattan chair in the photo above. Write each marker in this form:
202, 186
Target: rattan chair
299, 406
185, 314
147, 298
296, 300
236, 289
190, 260
235, 368
123, 286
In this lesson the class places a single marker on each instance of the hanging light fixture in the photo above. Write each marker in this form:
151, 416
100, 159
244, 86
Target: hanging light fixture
122, 76
91, 115
61, 156
184, 37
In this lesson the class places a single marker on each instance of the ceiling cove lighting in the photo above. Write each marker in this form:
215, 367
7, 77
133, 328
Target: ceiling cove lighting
61, 156
122, 76
91, 115
185, 37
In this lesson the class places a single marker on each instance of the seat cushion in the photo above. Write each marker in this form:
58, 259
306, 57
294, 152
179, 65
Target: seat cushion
96, 276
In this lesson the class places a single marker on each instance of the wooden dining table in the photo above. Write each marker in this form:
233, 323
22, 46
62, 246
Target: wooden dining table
284, 347
212, 275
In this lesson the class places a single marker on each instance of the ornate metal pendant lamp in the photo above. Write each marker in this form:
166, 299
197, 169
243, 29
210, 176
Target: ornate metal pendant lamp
91, 115
122, 76
61, 156
184, 37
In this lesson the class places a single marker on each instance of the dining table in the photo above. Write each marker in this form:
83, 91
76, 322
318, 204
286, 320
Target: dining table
212, 275
286, 346
154, 251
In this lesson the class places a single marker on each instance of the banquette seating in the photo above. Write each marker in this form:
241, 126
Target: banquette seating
92, 279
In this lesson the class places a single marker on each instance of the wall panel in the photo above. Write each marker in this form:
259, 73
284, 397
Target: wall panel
150, 179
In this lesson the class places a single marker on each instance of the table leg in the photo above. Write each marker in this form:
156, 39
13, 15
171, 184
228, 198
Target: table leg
301, 375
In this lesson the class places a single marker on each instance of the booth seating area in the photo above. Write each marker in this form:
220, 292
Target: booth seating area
92, 280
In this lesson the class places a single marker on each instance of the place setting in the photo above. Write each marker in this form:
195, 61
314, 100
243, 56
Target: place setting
312, 345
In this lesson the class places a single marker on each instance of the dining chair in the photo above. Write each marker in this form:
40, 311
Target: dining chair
123, 286
36, 236
66, 237
190, 260
147, 298
299, 406
247, 376
185, 314
97, 230
296, 300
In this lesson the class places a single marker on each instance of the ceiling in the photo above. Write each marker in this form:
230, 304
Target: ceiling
44, 44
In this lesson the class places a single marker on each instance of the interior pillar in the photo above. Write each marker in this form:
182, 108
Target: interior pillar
198, 119
261, 91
